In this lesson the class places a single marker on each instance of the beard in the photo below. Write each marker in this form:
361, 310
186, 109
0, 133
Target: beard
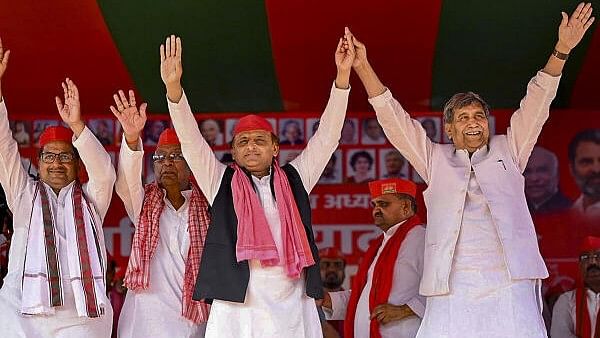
589, 188
333, 281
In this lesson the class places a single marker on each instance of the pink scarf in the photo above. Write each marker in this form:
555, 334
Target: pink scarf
145, 241
254, 238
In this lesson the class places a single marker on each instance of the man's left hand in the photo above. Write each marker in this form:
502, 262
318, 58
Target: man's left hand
386, 313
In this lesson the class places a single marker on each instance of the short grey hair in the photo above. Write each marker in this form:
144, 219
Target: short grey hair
460, 100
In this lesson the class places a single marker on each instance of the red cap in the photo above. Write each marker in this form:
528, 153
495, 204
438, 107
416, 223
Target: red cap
56, 133
331, 253
392, 186
168, 137
590, 243
252, 122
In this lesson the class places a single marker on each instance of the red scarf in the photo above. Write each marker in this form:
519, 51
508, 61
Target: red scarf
145, 241
383, 276
254, 238
583, 325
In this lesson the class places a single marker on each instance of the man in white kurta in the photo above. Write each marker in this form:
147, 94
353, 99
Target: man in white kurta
571, 318
60, 321
482, 267
405, 307
157, 310
275, 305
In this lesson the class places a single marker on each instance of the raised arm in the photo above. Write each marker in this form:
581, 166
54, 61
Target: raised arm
527, 122
206, 168
129, 185
97, 162
12, 175
405, 133
311, 162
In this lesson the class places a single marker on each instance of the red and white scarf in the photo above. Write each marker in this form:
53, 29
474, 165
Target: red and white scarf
383, 276
583, 324
42, 288
254, 238
145, 241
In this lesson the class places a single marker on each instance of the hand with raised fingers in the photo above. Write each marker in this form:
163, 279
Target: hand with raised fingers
3, 59
573, 28
171, 68
360, 50
131, 118
344, 53
70, 110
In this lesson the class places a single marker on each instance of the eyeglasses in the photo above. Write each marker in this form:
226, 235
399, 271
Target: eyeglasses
589, 257
174, 157
49, 158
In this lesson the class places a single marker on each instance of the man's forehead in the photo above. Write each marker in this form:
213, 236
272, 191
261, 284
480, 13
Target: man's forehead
58, 146
253, 134
168, 148
385, 198
588, 149
474, 107
327, 259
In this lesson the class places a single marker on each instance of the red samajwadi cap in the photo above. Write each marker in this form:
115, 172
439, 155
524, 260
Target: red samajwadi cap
56, 133
590, 243
252, 122
392, 186
168, 137
331, 253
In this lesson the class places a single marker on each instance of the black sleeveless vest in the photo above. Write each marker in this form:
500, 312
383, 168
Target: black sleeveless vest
220, 275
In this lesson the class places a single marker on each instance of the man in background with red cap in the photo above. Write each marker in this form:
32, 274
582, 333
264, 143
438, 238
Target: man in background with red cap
56, 284
332, 265
575, 314
171, 220
384, 300
260, 262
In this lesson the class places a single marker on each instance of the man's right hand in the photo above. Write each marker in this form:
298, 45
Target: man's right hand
171, 68
360, 51
132, 120
326, 301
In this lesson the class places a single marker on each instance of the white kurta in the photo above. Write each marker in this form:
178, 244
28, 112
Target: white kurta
483, 300
275, 305
156, 312
405, 289
20, 190
564, 314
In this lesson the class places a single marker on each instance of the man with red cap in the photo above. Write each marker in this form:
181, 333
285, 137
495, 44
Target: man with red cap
55, 286
384, 300
333, 265
575, 314
260, 263
171, 220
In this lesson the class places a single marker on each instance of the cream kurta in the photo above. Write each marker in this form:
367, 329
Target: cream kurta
275, 305
156, 312
20, 189
483, 300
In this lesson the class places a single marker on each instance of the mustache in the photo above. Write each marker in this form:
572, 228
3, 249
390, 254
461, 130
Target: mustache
593, 267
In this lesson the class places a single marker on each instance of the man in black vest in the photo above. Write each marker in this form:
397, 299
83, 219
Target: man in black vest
260, 263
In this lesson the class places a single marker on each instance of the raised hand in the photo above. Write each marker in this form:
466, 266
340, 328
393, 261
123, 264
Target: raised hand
360, 50
3, 59
171, 68
132, 120
70, 111
344, 53
572, 29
